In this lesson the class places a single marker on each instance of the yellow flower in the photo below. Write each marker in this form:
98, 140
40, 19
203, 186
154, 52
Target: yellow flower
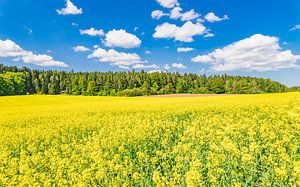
281, 173
136, 176
246, 158
100, 175
192, 178
156, 177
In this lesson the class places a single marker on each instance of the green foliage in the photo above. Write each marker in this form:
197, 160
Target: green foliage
91, 88
3, 86
20, 81
12, 83
216, 85
133, 92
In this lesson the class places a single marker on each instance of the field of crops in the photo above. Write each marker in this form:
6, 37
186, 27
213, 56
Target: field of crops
251, 140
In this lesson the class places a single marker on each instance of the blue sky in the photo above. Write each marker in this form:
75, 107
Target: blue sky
249, 37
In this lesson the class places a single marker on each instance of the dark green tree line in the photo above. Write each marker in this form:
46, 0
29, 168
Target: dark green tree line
15, 81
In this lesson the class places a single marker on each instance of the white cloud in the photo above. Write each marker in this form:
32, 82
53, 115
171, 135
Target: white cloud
208, 35
123, 67
167, 67
184, 33
166, 30
296, 27
187, 16
120, 38
200, 20
80, 48
92, 32
178, 66
147, 52
256, 53
176, 13
206, 59
155, 71
9, 48
70, 9
190, 15
17, 59
42, 60
184, 49
168, 3
157, 14
116, 58
95, 46
211, 17
143, 66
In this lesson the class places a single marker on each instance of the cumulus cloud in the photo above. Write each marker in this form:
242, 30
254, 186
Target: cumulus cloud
70, 9
256, 53
187, 16
116, 58
176, 13
211, 17
166, 30
121, 38
206, 59
143, 66
157, 14
185, 33
9, 48
42, 60
168, 3
190, 15
184, 49
178, 66
80, 48
296, 27
92, 32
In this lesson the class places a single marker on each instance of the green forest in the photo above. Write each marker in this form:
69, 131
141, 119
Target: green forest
21, 81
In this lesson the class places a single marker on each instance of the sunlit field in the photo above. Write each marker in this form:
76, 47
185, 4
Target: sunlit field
249, 140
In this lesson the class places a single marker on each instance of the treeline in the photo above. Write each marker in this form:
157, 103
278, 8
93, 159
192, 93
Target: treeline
294, 89
18, 81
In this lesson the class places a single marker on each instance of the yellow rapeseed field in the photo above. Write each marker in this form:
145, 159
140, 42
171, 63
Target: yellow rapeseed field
250, 140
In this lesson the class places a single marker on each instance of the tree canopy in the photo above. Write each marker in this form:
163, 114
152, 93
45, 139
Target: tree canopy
18, 81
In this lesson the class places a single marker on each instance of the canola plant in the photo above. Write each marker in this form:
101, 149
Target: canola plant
249, 140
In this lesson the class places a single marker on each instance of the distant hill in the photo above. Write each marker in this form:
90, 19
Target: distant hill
19, 81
